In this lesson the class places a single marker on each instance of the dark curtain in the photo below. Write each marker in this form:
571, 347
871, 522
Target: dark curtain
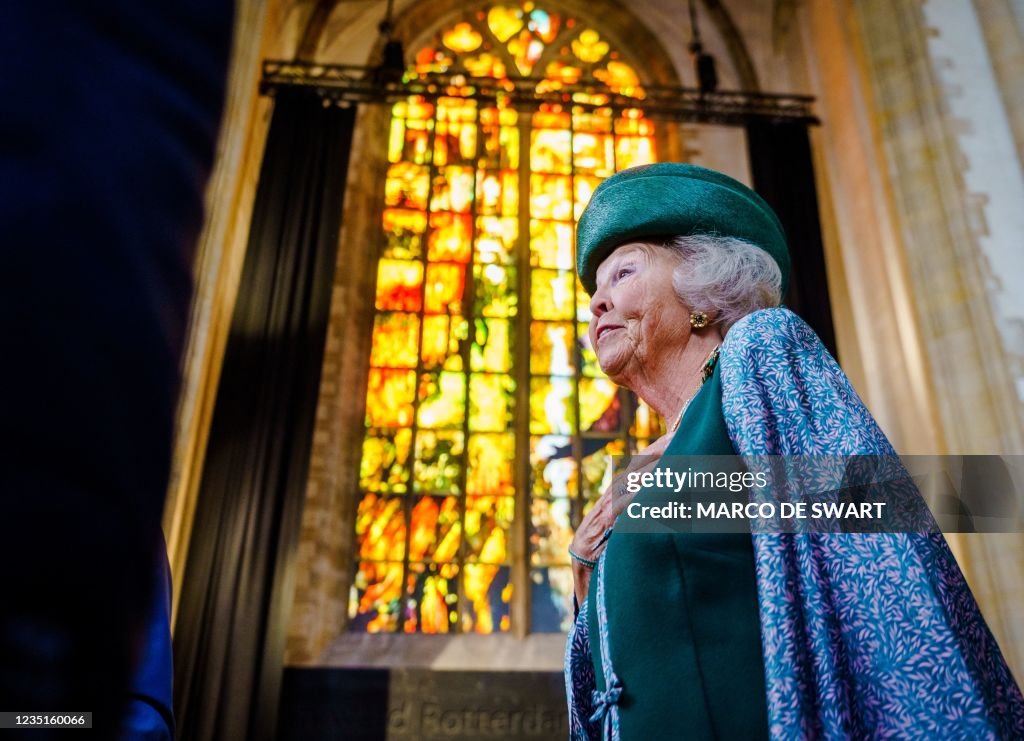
235, 603
783, 173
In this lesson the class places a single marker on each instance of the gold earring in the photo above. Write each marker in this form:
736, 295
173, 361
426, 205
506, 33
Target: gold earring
698, 319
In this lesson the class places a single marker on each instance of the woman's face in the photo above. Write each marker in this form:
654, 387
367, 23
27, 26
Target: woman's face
637, 317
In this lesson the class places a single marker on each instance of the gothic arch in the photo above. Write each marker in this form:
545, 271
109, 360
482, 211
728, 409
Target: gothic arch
421, 19
418, 23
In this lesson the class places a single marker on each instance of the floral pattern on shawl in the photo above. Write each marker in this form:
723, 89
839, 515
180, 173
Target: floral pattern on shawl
580, 682
864, 636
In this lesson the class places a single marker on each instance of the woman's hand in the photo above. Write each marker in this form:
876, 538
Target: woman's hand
590, 535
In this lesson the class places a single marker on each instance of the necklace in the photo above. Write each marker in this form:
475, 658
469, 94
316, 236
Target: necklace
706, 371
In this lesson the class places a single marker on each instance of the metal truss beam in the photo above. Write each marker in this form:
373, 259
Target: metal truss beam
349, 85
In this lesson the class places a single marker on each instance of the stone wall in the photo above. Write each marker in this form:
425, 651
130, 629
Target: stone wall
952, 169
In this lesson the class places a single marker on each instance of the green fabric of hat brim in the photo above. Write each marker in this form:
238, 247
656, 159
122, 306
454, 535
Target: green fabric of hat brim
671, 199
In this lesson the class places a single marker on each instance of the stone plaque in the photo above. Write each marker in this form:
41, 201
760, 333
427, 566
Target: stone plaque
407, 704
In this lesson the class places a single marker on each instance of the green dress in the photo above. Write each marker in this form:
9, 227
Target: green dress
682, 616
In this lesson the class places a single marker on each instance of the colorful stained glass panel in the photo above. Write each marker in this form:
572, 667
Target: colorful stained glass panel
438, 465
609, 423
456, 109
589, 47
442, 400
445, 286
551, 244
620, 77
488, 520
592, 122
633, 123
591, 366
396, 140
398, 220
431, 601
453, 190
552, 531
399, 285
594, 153
395, 340
545, 25
551, 117
562, 72
551, 599
407, 186
454, 197
496, 239
380, 528
553, 294
551, 197
450, 237
526, 51
384, 466
442, 336
490, 465
551, 151
647, 425
431, 59
389, 397
583, 313
417, 140
504, 21
490, 402
462, 38
375, 597
498, 116
495, 291
631, 151
488, 590
596, 396
583, 188
415, 109
492, 346
454, 143
553, 466
402, 244
484, 65
497, 192
435, 529
552, 406
500, 142
552, 348
598, 467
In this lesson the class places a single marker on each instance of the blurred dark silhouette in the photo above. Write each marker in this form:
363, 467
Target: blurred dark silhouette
109, 114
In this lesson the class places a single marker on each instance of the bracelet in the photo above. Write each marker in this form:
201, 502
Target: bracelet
580, 559
586, 561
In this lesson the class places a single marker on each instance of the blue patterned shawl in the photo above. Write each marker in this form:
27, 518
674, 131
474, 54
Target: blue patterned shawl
864, 636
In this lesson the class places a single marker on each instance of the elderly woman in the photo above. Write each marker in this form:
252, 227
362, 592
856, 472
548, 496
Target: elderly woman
739, 636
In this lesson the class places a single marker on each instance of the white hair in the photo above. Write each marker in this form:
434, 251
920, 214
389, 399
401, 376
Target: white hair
726, 277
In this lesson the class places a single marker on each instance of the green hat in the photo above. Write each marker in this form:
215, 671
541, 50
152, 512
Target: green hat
667, 200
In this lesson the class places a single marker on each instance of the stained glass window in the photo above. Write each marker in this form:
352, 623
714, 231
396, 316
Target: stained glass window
478, 311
